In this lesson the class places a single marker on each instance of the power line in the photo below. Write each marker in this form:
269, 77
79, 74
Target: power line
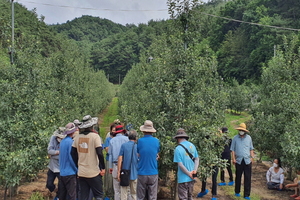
252, 23
101, 9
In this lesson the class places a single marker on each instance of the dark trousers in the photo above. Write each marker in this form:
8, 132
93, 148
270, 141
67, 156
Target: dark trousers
51, 176
214, 182
95, 184
229, 171
68, 187
240, 170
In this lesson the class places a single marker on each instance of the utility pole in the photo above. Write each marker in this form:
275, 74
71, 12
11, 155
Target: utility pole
11, 48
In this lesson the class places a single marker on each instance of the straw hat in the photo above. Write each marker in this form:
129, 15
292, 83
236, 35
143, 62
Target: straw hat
242, 127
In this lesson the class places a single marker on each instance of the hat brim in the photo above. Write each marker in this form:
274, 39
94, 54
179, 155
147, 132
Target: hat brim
181, 136
242, 129
89, 123
148, 130
70, 132
120, 131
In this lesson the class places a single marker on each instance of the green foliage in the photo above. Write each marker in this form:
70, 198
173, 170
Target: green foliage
49, 85
36, 196
275, 117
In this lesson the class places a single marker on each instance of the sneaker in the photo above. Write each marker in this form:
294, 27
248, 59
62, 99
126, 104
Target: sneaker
222, 184
231, 183
294, 196
106, 198
247, 198
297, 198
214, 198
56, 198
237, 195
201, 194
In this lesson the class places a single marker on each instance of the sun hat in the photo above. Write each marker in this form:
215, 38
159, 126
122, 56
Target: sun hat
70, 128
148, 127
181, 134
117, 122
59, 132
119, 129
88, 121
77, 122
242, 127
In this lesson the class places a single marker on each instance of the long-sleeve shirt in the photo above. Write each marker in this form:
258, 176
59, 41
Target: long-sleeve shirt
53, 148
274, 177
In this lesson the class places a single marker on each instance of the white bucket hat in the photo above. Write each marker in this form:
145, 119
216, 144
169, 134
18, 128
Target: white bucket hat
148, 127
88, 121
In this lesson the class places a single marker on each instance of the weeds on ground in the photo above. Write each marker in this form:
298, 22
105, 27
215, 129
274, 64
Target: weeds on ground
36, 196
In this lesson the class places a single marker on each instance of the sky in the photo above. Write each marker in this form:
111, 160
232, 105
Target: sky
119, 11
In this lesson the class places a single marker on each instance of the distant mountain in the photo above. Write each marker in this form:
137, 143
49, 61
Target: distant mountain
89, 28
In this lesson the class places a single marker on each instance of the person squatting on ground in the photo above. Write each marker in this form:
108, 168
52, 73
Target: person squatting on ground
87, 155
53, 154
186, 157
108, 179
226, 156
296, 185
242, 156
275, 176
114, 150
128, 160
148, 148
68, 170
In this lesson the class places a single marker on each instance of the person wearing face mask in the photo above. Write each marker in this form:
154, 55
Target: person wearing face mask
275, 176
242, 152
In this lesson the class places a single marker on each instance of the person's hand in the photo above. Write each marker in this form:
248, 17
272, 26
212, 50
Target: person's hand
110, 170
233, 161
288, 185
102, 172
281, 186
252, 160
119, 177
157, 157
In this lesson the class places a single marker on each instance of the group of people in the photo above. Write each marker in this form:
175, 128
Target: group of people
131, 168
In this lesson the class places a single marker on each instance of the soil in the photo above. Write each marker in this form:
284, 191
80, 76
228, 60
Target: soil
224, 193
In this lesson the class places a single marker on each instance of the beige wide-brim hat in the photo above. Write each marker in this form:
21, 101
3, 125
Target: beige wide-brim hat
148, 127
242, 127
88, 121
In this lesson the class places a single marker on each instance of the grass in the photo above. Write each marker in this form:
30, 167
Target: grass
108, 117
233, 120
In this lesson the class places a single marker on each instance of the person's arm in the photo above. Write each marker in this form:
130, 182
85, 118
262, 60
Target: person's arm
184, 170
233, 157
101, 160
252, 155
74, 155
268, 175
52, 151
120, 159
110, 164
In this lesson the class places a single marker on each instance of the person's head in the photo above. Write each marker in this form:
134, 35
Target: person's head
277, 162
119, 129
181, 135
117, 122
112, 129
224, 130
148, 128
132, 135
58, 133
242, 129
87, 123
70, 129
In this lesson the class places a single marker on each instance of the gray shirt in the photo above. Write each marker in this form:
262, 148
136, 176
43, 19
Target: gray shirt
53, 147
242, 147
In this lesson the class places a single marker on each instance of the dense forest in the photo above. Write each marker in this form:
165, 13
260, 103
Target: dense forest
182, 72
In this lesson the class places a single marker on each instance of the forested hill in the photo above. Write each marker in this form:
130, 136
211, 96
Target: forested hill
89, 28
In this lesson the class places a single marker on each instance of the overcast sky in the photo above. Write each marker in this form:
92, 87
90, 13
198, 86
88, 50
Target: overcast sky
119, 11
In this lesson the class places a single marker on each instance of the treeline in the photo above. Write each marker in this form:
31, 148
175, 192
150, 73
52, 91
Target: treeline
187, 86
49, 84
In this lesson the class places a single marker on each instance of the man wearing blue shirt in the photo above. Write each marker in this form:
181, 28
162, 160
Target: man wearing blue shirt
128, 160
242, 156
114, 150
186, 157
68, 169
148, 148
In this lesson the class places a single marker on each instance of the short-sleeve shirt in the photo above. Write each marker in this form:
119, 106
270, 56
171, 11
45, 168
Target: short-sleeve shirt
180, 155
66, 163
129, 152
88, 162
148, 147
242, 147
106, 144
